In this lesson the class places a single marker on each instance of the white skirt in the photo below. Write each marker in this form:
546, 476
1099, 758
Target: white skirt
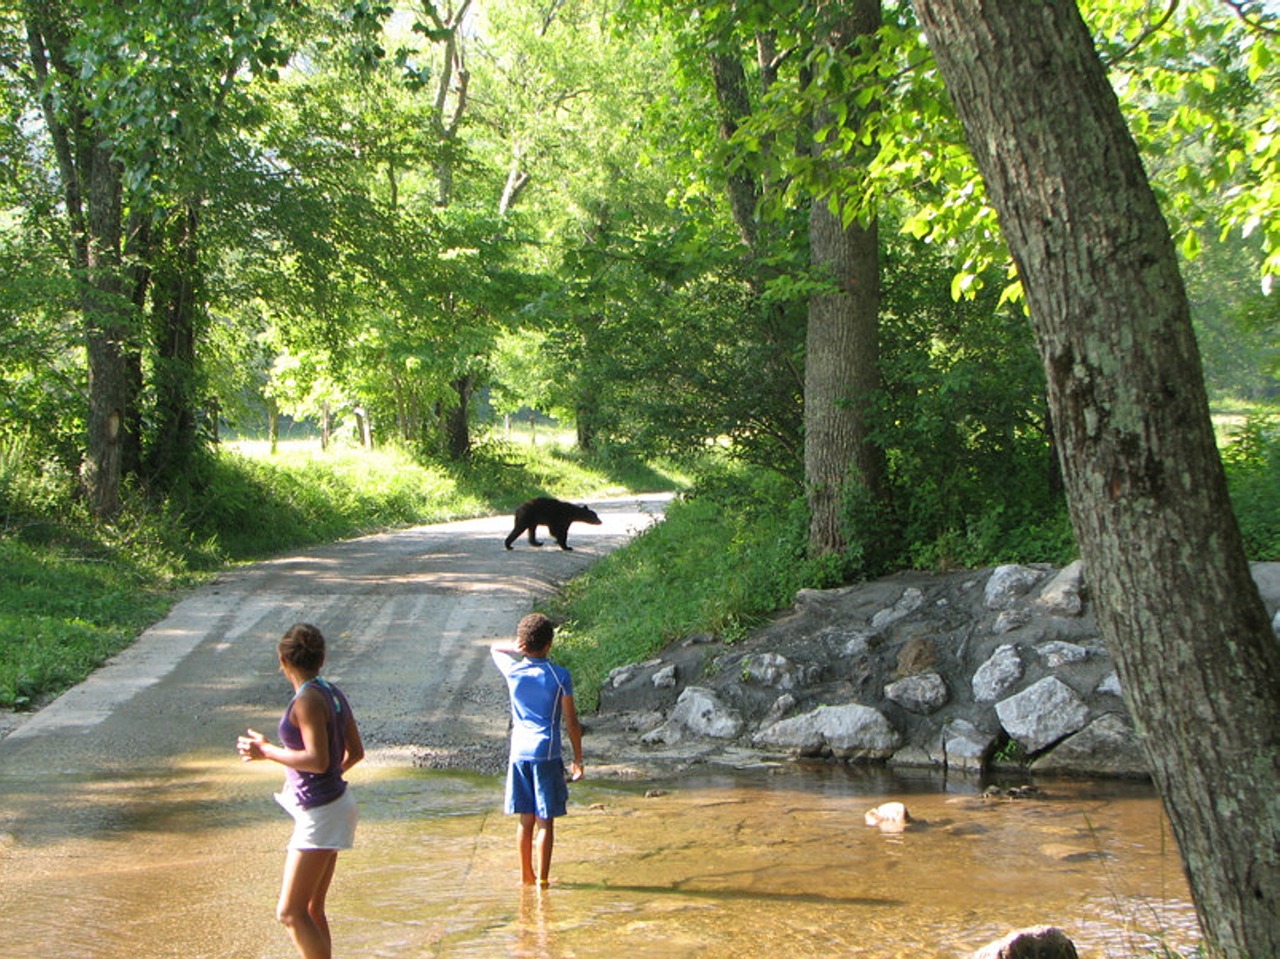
331, 826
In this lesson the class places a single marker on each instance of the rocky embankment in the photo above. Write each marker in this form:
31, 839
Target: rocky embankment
998, 669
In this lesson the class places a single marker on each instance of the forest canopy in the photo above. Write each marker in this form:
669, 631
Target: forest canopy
402, 223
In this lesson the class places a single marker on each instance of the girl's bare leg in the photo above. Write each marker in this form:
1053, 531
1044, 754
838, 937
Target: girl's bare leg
307, 874
315, 907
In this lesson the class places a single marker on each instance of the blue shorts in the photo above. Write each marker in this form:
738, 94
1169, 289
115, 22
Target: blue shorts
537, 786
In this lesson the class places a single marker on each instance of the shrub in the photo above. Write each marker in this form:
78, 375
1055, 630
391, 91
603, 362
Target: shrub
1251, 457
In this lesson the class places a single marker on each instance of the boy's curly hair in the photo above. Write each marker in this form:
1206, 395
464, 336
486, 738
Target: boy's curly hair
534, 633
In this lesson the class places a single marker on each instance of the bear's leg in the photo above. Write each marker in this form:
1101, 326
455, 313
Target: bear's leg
533, 538
561, 533
511, 537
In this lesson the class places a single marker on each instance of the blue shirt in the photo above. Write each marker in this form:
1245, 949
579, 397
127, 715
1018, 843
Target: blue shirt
536, 687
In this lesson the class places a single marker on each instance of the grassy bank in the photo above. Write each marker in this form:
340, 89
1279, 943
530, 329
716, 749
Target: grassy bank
74, 592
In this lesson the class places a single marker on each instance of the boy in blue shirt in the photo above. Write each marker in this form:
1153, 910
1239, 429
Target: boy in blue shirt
541, 696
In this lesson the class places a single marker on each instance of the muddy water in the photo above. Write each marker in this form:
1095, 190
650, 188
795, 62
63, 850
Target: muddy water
184, 862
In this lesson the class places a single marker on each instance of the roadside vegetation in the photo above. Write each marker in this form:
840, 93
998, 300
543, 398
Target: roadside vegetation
731, 551
74, 591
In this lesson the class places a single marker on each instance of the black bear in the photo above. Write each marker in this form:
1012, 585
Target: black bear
554, 515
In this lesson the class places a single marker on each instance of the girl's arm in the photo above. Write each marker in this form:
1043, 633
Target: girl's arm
354, 744
310, 713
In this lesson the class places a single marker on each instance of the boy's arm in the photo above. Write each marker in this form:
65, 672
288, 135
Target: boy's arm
574, 728
505, 655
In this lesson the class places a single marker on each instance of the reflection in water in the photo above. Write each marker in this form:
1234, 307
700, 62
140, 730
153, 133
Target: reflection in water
185, 863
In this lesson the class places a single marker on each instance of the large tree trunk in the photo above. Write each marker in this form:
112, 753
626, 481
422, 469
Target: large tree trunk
841, 372
91, 189
109, 336
457, 419
1176, 603
175, 323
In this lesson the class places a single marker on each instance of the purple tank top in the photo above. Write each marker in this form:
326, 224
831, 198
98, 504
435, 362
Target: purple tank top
318, 789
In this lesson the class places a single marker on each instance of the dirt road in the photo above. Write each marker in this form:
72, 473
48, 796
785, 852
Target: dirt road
408, 616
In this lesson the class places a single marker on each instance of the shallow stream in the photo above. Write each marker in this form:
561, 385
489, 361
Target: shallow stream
184, 862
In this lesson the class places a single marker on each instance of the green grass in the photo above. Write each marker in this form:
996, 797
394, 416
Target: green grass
64, 611
718, 563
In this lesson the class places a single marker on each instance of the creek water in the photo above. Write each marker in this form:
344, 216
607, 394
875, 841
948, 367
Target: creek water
184, 861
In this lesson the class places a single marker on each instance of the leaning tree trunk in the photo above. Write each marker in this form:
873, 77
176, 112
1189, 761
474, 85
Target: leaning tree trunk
1176, 603
841, 373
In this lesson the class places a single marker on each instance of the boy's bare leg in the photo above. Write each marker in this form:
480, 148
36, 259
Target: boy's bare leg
546, 842
524, 842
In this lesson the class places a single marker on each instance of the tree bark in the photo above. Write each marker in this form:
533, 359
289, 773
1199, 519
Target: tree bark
108, 334
457, 419
841, 347
1180, 613
175, 320
730, 81
92, 191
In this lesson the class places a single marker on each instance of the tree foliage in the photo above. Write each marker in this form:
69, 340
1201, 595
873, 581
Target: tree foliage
359, 209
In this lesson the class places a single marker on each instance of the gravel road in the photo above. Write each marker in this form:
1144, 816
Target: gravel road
408, 616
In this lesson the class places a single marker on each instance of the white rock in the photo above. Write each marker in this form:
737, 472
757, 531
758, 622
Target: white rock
923, 693
1042, 714
997, 674
851, 731
1008, 584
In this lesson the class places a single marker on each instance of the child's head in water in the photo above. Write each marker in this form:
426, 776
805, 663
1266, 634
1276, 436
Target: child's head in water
534, 634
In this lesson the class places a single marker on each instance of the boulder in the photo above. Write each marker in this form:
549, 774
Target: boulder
698, 712
1064, 595
1008, 584
964, 746
1042, 714
851, 731
1108, 746
923, 693
997, 674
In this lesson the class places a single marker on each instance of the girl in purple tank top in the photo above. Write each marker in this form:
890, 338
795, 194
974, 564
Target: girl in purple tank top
319, 742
